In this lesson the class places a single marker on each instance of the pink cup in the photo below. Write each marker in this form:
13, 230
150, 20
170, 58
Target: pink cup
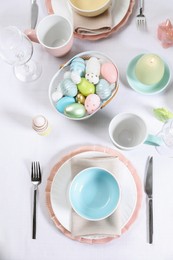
54, 33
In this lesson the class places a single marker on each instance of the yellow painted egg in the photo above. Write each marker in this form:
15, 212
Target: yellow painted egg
85, 87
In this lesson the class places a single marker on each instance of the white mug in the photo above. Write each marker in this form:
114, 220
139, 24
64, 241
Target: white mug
54, 33
127, 131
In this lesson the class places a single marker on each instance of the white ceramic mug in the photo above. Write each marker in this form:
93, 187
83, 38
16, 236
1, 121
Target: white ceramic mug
127, 131
54, 33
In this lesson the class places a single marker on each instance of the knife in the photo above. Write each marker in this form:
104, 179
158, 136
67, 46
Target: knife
34, 14
149, 192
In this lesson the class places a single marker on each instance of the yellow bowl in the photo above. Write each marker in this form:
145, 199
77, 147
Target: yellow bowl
89, 8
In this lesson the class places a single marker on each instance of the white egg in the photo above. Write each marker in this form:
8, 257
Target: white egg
93, 70
67, 75
75, 77
56, 96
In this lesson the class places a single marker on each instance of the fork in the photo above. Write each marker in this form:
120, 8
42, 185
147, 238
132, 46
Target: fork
140, 18
36, 180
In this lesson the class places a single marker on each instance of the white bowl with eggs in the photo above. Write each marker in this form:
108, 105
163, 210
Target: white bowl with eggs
83, 85
89, 8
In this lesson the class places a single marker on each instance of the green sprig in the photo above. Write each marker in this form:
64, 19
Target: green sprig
162, 114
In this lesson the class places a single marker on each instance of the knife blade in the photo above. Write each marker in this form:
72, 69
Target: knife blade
34, 14
149, 193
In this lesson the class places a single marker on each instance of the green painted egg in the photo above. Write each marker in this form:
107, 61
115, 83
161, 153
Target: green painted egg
75, 110
85, 87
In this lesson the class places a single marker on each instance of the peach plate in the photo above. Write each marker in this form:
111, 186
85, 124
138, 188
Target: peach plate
122, 10
62, 222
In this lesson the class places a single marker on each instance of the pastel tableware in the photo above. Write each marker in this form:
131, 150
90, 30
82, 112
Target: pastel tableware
60, 176
73, 71
75, 110
94, 193
149, 69
120, 11
128, 131
89, 8
141, 88
55, 34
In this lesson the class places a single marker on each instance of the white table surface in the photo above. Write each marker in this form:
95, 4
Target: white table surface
19, 145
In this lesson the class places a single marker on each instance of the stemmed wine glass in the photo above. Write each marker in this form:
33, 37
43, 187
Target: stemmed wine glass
166, 134
17, 49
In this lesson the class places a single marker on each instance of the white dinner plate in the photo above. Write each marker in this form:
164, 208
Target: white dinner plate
60, 186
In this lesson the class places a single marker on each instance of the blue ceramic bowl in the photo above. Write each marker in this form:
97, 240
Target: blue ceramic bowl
94, 193
142, 88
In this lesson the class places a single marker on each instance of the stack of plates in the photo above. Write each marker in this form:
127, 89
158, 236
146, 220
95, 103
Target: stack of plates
121, 11
58, 185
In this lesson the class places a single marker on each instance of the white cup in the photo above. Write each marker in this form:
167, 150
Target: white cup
54, 33
127, 131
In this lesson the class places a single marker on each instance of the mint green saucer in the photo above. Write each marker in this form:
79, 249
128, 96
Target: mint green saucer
142, 88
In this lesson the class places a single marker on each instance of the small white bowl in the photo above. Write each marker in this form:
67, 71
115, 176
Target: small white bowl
89, 8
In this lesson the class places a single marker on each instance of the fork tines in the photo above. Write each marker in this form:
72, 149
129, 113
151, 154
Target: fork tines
35, 171
140, 18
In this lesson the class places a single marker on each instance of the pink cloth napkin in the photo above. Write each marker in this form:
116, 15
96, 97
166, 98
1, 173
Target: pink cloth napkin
93, 25
110, 226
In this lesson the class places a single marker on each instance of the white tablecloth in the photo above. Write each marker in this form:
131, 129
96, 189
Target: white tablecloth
19, 145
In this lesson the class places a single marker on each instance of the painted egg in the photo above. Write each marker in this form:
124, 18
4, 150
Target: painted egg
109, 72
93, 70
78, 65
76, 78
57, 95
68, 88
80, 98
75, 110
92, 103
67, 75
85, 87
63, 103
103, 89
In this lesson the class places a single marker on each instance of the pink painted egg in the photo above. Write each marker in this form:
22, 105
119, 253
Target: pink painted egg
92, 103
109, 72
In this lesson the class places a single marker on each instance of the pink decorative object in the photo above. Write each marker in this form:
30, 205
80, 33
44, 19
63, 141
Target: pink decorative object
109, 72
165, 33
92, 103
